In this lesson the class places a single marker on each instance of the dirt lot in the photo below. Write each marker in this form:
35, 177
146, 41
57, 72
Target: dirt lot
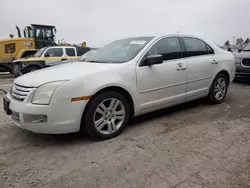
192, 145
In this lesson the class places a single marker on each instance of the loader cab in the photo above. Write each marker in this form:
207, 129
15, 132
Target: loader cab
44, 35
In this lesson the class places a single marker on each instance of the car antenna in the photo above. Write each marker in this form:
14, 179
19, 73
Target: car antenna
179, 30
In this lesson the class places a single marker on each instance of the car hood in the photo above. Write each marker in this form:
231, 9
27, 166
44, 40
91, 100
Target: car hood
62, 62
243, 55
66, 71
29, 59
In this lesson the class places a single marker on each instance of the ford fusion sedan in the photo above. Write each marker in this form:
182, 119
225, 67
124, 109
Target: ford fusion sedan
126, 78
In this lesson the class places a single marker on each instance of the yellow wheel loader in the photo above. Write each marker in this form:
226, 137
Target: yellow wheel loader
34, 37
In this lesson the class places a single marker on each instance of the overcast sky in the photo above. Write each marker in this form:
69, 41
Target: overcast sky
98, 22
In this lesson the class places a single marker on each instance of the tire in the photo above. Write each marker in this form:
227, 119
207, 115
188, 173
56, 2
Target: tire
32, 69
214, 96
101, 123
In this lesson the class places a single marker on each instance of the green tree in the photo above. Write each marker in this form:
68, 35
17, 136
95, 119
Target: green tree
239, 41
227, 43
247, 41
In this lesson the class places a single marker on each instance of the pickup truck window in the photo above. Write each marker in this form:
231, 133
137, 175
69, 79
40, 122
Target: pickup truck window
70, 52
39, 52
54, 52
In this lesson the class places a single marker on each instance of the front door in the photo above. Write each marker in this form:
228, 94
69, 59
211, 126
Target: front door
166, 83
53, 55
200, 64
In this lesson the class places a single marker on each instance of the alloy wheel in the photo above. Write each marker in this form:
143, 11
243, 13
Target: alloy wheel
220, 88
109, 116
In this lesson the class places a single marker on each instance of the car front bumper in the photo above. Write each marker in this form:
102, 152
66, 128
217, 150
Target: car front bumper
62, 116
242, 73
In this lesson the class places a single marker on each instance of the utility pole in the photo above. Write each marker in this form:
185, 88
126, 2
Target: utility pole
233, 39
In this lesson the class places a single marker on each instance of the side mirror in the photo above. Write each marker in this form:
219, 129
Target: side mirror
153, 59
46, 55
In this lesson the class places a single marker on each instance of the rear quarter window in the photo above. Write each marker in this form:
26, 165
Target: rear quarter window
196, 47
70, 52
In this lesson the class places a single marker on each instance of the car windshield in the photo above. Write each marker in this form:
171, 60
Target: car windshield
39, 52
86, 55
119, 51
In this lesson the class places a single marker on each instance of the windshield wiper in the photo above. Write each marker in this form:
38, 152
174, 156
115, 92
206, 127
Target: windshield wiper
95, 61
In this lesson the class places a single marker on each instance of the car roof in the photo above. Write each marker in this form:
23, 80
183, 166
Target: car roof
165, 35
60, 46
177, 35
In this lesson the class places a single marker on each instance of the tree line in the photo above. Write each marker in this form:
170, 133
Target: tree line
239, 41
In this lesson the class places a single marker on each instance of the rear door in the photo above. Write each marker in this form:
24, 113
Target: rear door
70, 53
200, 64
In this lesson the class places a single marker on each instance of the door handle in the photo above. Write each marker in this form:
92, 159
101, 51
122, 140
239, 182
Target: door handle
215, 62
181, 68
63, 59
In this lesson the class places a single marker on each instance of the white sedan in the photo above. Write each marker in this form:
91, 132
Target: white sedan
126, 78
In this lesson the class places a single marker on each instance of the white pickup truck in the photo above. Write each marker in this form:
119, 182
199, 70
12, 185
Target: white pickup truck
47, 57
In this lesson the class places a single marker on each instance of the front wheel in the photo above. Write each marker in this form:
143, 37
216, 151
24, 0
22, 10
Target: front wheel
218, 89
106, 115
32, 69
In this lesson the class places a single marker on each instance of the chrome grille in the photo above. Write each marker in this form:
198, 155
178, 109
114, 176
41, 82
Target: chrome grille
20, 92
245, 62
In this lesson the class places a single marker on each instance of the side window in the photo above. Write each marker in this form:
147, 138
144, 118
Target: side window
40, 34
70, 52
54, 52
196, 47
169, 48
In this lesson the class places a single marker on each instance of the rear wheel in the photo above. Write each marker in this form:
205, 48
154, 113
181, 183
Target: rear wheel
106, 115
218, 89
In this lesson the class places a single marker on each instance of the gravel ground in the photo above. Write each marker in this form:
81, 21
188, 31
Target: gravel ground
192, 145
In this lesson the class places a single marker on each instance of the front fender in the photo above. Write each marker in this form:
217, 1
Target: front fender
26, 66
90, 85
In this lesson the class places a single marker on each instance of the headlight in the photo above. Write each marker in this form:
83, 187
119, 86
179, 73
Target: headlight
44, 93
237, 60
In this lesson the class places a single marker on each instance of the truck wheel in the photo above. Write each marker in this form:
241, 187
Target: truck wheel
32, 69
106, 115
218, 90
